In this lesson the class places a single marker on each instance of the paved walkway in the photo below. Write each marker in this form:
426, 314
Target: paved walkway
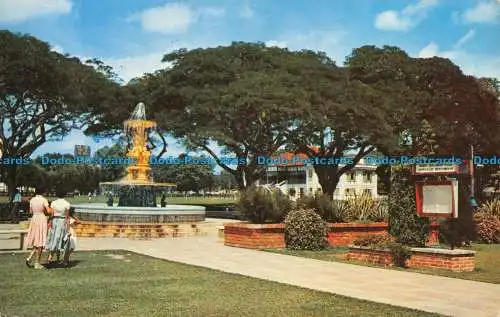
448, 296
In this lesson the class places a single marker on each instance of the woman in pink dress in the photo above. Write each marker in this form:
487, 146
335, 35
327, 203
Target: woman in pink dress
37, 233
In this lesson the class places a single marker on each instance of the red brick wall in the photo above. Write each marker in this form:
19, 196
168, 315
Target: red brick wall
441, 261
268, 236
253, 236
373, 256
344, 234
419, 259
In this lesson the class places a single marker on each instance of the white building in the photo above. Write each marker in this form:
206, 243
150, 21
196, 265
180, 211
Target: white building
302, 180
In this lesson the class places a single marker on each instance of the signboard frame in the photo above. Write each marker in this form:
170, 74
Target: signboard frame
454, 169
453, 187
82, 150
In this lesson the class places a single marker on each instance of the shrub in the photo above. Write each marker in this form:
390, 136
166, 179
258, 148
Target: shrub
400, 254
491, 207
373, 240
321, 204
341, 210
488, 227
259, 205
404, 224
305, 230
355, 209
381, 211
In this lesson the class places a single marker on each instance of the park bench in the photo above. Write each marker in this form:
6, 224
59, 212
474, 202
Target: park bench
22, 233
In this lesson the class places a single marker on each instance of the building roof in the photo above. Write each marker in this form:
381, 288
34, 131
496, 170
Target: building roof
292, 159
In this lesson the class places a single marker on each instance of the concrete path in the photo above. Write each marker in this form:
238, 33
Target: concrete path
448, 296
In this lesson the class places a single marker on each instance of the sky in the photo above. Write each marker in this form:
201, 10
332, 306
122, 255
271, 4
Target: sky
132, 36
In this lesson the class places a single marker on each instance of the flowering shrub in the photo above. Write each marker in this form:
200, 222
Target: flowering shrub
487, 227
305, 230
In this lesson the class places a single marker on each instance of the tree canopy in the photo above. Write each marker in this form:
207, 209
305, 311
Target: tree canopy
251, 100
461, 109
244, 97
254, 100
44, 95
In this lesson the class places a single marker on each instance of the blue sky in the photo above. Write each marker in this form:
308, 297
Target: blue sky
132, 35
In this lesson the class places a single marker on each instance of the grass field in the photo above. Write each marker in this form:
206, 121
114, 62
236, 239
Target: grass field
170, 200
127, 284
487, 262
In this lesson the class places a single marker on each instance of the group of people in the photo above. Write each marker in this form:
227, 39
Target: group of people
51, 229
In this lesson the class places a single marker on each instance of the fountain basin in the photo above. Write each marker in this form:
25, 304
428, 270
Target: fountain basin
169, 214
100, 220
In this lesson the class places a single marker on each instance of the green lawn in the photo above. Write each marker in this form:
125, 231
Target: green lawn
487, 262
127, 284
170, 200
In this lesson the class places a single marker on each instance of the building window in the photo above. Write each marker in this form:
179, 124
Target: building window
350, 192
367, 192
310, 173
351, 177
301, 192
310, 190
367, 177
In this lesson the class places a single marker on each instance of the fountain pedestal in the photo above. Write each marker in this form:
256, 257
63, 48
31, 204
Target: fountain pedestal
137, 196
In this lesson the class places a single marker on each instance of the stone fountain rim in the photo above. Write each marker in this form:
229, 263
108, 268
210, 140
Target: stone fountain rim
103, 208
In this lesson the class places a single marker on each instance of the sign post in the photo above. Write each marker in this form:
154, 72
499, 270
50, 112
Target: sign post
438, 198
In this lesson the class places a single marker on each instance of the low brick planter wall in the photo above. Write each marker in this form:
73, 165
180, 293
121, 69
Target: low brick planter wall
269, 236
452, 260
254, 236
344, 234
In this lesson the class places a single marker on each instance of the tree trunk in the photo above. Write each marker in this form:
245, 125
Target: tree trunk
246, 175
328, 179
11, 180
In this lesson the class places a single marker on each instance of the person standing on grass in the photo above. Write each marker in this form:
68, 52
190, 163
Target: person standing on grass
37, 232
16, 204
163, 201
59, 227
70, 237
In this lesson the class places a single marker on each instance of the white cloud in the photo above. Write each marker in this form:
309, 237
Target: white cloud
131, 67
247, 12
21, 10
483, 12
174, 18
169, 18
273, 43
58, 49
479, 65
429, 51
328, 41
405, 19
464, 39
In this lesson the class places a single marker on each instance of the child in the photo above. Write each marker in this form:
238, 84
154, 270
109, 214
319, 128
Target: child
71, 236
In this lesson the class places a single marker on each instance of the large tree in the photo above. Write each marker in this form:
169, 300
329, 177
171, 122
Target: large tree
43, 96
459, 108
343, 116
243, 97
188, 177
111, 172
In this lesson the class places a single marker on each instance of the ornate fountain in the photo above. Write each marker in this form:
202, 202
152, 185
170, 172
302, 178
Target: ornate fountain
137, 212
137, 188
